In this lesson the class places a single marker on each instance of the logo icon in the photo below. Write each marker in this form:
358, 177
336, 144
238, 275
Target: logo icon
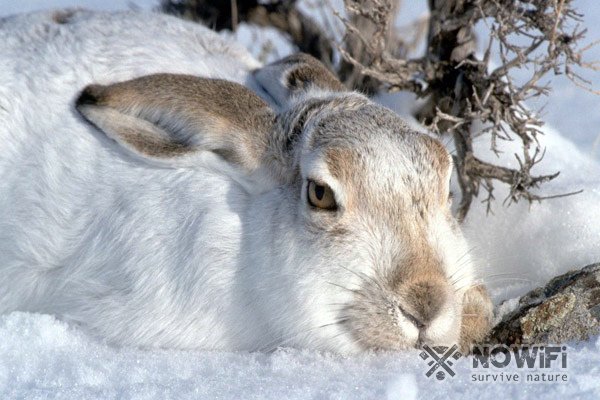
441, 359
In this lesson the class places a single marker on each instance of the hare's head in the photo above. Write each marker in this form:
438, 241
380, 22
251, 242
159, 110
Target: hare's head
351, 242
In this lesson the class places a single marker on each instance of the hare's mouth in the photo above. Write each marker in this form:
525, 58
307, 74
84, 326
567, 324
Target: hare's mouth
418, 313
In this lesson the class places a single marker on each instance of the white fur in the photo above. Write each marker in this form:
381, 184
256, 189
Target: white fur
143, 255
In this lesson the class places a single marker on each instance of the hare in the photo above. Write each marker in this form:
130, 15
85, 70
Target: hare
199, 200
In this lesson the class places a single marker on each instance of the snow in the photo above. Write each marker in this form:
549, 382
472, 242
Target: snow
44, 358
529, 244
519, 247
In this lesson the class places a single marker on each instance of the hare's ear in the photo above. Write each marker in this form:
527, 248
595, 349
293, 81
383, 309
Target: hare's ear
293, 75
171, 119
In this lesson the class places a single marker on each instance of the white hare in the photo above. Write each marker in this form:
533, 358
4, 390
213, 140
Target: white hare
187, 212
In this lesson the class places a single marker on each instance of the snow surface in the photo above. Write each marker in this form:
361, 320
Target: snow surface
43, 358
518, 248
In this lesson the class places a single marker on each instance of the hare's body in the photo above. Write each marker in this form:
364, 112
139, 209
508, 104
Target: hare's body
195, 229
71, 207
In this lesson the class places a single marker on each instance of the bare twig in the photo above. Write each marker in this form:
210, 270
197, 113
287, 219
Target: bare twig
465, 98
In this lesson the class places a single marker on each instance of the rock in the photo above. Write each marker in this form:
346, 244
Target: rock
566, 309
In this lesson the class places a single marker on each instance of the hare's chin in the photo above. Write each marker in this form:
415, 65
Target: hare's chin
444, 330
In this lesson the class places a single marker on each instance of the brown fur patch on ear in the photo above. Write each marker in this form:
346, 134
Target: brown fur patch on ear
307, 70
135, 134
153, 146
302, 78
177, 114
229, 102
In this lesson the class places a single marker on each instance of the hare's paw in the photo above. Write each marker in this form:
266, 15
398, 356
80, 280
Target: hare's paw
477, 317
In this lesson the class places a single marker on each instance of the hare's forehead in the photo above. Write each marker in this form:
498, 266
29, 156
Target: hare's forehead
405, 170
374, 154
378, 139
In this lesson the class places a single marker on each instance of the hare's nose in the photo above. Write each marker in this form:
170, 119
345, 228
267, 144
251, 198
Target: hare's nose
424, 301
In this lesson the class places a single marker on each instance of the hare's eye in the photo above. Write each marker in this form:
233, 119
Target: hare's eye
321, 196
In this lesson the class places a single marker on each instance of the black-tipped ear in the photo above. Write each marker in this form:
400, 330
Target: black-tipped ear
295, 74
90, 95
170, 119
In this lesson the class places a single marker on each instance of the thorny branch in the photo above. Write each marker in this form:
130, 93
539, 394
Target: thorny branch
466, 96
282, 15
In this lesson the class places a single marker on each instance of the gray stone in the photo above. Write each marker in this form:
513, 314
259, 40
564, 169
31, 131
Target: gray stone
567, 309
